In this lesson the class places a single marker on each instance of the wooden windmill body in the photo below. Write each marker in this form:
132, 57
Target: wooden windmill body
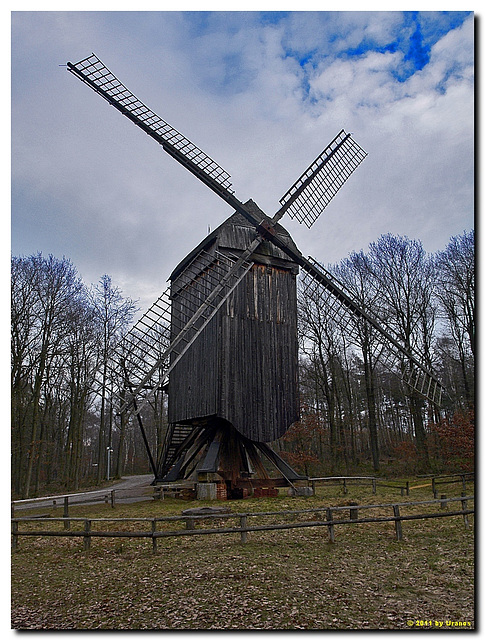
239, 380
243, 368
228, 321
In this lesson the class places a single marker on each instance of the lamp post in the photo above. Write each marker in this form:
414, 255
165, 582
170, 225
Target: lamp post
109, 451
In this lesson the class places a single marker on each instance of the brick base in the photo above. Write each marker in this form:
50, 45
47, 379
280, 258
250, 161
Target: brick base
263, 492
221, 491
239, 493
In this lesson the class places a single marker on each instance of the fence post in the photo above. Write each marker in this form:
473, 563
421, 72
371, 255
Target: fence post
243, 525
15, 538
463, 484
407, 487
353, 511
345, 486
154, 538
444, 504
397, 522
67, 523
433, 487
463, 508
331, 529
374, 486
113, 499
87, 535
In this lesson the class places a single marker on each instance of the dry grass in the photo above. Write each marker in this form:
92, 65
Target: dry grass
292, 579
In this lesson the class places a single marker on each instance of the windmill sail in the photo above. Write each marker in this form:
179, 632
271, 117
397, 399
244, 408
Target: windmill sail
314, 189
304, 201
330, 295
97, 76
143, 360
157, 343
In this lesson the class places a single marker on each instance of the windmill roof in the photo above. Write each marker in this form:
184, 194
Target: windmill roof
236, 233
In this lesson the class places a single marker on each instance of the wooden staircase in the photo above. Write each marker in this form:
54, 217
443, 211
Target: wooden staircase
178, 439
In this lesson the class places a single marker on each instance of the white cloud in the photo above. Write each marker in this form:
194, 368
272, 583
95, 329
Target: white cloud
90, 185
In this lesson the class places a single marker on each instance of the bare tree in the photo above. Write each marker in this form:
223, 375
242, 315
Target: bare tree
58, 339
355, 273
82, 356
403, 277
320, 341
114, 314
53, 285
456, 293
23, 321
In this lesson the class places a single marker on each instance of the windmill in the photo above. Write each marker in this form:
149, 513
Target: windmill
222, 339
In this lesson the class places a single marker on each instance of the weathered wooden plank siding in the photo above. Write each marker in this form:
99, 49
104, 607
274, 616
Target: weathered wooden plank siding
260, 355
244, 366
193, 386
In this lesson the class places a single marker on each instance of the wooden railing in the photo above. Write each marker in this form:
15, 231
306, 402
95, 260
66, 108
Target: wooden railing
344, 481
108, 496
111, 496
455, 478
432, 480
328, 514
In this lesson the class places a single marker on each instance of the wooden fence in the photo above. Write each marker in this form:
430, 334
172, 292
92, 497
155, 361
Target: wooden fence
433, 481
330, 520
108, 496
455, 478
344, 482
347, 481
112, 496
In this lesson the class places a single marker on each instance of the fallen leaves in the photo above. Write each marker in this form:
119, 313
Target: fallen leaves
289, 580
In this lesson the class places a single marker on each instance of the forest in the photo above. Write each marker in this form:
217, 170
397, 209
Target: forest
357, 415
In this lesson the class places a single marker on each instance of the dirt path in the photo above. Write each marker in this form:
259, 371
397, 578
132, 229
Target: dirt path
128, 489
133, 482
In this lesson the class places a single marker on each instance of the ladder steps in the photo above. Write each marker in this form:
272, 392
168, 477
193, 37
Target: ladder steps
157, 341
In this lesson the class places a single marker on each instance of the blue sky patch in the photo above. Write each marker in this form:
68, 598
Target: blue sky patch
414, 36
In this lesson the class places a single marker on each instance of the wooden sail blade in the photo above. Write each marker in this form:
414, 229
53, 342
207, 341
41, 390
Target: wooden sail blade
316, 187
154, 346
97, 76
333, 300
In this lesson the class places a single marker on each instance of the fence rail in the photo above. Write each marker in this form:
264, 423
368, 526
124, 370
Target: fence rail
108, 496
112, 496
329, 520
344, 481
432, 480
457, 477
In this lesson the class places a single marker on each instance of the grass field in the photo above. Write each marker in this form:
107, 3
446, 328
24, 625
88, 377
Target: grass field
289, 579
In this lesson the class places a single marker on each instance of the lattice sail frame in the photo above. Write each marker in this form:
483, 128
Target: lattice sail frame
316, 187
142, 362
94, 73
305, 201
394, 359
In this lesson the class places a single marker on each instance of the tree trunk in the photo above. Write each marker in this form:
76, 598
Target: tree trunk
419, 430
371, 407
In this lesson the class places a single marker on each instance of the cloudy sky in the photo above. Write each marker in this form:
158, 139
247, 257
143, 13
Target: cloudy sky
261, 93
